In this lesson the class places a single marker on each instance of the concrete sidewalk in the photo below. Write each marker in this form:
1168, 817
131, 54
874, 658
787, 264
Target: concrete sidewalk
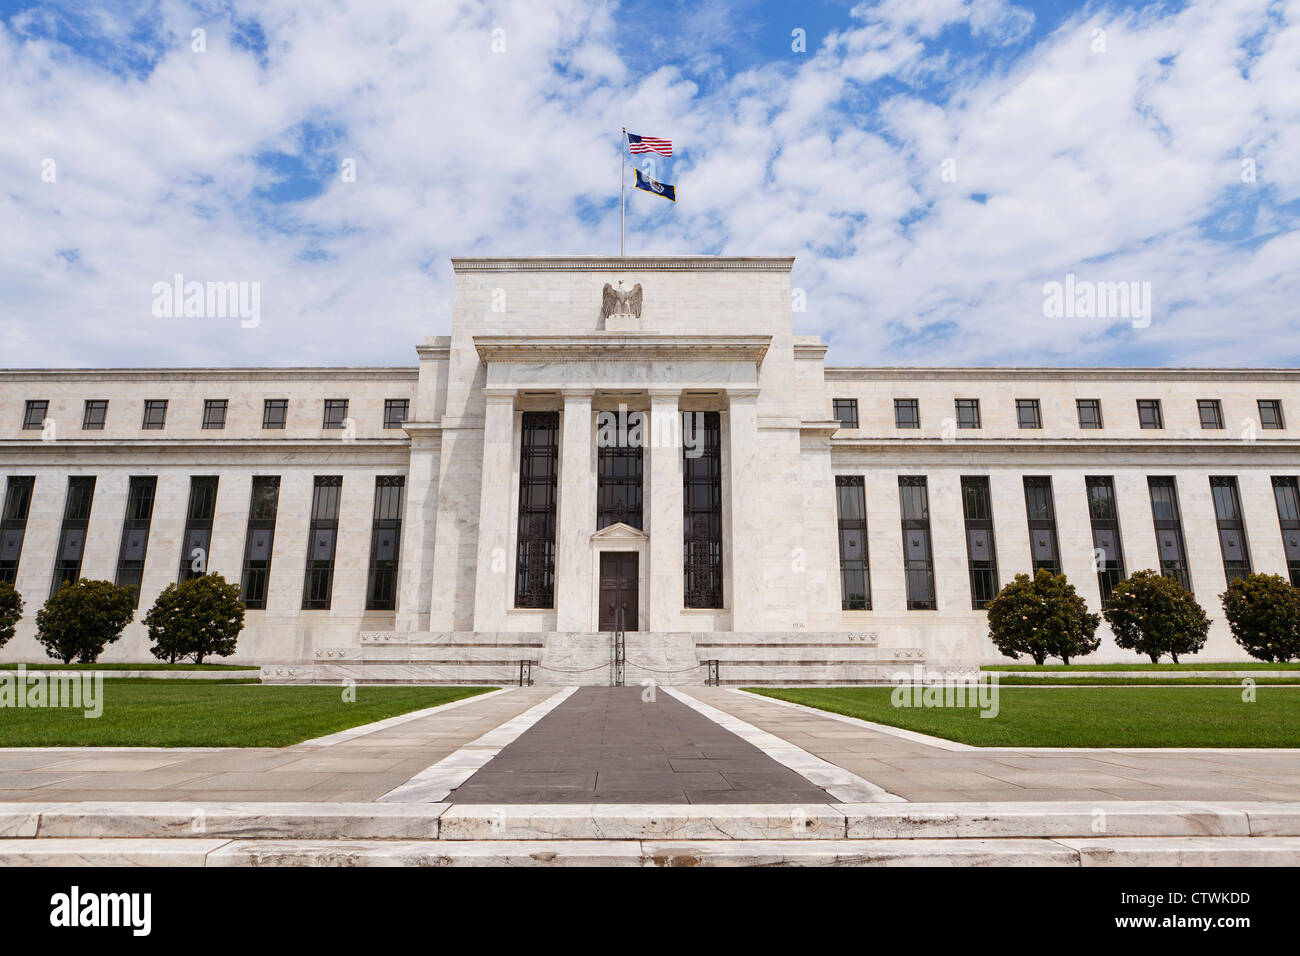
924, 771
355, 765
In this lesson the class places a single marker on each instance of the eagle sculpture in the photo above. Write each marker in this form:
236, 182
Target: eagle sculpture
620, 301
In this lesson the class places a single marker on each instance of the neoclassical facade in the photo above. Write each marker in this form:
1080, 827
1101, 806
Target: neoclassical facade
638, 445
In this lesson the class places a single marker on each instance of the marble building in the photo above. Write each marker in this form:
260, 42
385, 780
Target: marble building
642, 445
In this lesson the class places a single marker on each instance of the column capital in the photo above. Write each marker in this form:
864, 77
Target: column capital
496, 395
744, 394
664, 394
575, 394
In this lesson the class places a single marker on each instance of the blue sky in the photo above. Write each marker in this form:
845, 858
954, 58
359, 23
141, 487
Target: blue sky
932, 164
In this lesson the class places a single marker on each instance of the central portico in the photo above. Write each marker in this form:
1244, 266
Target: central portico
618, 444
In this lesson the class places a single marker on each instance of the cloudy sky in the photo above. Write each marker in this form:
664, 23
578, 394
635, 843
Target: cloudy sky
932, 164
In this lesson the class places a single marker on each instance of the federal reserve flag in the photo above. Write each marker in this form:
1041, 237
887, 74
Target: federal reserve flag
652, 186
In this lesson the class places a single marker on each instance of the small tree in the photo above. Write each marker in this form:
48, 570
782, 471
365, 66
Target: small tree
1154, 615
80, 619
1043, 617
11, 611
1263, 613
196, 618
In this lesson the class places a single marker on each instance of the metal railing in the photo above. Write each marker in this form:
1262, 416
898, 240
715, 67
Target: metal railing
618, 650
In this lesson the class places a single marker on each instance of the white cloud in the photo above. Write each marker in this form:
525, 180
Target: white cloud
1103, 164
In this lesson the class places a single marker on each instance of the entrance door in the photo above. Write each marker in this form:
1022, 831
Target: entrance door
618, 589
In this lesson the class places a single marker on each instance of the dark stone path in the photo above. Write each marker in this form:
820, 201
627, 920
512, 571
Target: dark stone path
604, 745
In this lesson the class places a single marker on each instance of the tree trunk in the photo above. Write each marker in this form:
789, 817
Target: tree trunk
1039, 658
1155, 658
1175, 657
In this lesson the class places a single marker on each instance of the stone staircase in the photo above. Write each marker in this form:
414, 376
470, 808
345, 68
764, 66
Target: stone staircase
785, 658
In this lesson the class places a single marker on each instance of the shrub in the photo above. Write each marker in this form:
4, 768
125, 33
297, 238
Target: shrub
80, 619
1154, 615
11, 611
1263, 613
1043, 617
196, 618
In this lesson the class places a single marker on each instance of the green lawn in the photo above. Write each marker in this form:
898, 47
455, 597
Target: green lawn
150, 666
1146, 665
172, 713
1080, 679
1178, 716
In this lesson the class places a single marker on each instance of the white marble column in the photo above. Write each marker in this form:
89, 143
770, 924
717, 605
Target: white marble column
577, 516
746, 551
492, 589
420, 515
663, 508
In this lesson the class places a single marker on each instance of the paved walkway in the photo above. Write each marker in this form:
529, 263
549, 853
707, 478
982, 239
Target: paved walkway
607, 745
603, 744
344, 767
921, 771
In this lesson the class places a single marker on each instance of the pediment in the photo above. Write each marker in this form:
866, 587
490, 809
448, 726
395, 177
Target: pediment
619, 531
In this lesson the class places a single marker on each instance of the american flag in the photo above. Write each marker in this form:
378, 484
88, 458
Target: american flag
649, 144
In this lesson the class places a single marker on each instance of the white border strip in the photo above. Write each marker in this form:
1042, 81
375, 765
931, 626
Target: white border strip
434, 783
838, 782
354, 732
913, 735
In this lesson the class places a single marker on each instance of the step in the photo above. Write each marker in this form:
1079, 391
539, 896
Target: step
446, 821
1090, 852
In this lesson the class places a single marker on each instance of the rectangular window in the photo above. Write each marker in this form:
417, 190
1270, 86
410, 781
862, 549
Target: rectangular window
1041, 510
275, 412
1232, 526
135, 533
977, 508
539, 455
197, 542
385, 543
396, 412
214, 413
259, 541
336, 412
907, 413
918, 567
1108, 548
1211, 412
968, 413
1149, 413
92, 419
1270, 413
846, 412
13, 524
702, 506
1287, 493
72, 535
155, 414
1028, 413
1168, 520
855, 573
322, 538
619, 478
34, 415
1089, 412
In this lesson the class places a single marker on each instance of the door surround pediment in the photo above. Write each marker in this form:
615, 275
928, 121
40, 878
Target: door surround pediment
618, 531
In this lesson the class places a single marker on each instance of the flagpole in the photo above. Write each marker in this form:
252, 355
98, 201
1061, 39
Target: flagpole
622, 192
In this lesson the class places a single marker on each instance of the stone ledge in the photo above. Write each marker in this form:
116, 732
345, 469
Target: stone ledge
739, 822
1148, 851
